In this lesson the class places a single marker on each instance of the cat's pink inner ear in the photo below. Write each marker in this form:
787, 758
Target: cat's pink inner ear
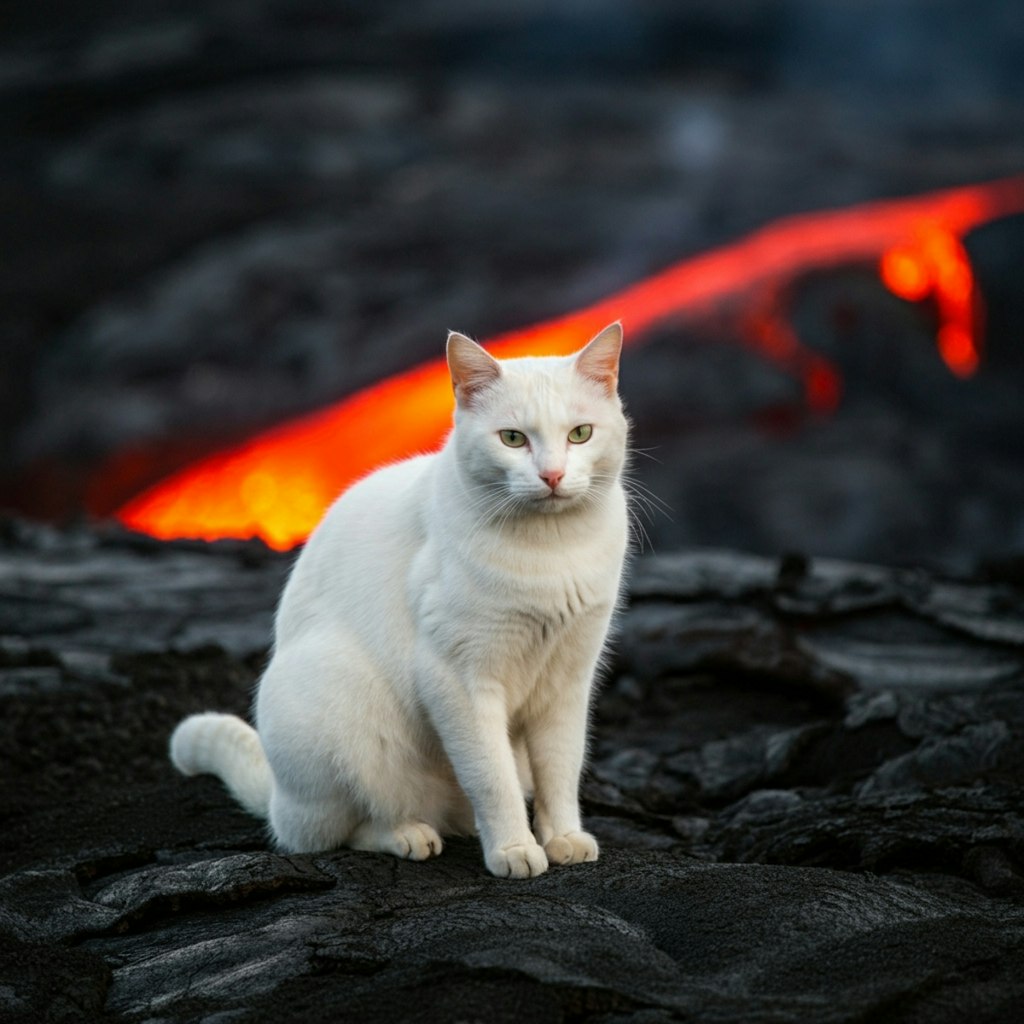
599, 361
471, 368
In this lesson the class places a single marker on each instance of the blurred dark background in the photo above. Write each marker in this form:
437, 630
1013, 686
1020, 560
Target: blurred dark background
217, 215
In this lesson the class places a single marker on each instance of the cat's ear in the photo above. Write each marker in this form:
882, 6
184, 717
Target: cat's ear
472, 369
599, 361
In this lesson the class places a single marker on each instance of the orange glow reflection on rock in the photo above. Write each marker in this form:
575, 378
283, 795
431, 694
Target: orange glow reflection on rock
278, 484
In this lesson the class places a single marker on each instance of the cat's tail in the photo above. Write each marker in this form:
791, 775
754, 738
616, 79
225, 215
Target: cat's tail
224, 745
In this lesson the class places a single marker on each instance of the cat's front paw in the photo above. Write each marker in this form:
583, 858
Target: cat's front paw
524, 861
572, 848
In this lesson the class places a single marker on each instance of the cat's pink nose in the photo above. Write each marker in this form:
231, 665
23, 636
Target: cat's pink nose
552, 477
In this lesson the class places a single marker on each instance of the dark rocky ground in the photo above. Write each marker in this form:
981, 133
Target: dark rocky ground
807, 780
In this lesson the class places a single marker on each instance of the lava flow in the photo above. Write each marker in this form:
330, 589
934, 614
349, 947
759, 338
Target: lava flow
278, 484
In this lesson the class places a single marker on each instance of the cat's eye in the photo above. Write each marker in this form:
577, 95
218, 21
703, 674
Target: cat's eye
581, 433
513, 438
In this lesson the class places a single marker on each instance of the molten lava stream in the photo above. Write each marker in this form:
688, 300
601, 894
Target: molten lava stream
278, 484
934, 264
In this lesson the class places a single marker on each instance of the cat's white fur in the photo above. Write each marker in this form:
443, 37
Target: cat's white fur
437, 641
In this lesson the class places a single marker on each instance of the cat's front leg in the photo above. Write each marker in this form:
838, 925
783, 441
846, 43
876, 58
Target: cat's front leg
556, 736
556, 752
472, 721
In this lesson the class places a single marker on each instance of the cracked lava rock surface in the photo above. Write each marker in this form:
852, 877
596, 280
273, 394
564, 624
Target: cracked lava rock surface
806, 779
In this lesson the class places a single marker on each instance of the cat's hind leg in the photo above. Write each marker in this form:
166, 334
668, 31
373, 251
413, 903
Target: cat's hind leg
325, 824
414, 840
353, 767
311, 826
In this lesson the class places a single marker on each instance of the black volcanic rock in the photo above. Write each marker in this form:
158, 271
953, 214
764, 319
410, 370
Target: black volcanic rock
806, 777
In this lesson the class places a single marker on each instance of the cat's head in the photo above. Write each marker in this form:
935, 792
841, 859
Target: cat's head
541, 434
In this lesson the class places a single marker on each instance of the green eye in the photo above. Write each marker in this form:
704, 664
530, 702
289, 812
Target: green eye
581, 433
513, 438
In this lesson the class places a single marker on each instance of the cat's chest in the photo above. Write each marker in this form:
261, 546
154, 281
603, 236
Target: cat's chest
544, 590
541, 595
558, 594
487, 602
513, 630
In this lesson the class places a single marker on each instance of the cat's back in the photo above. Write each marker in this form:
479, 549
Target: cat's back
358, 556
389, 499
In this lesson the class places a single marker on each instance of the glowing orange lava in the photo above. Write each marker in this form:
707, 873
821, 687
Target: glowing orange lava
278, 484
933, 264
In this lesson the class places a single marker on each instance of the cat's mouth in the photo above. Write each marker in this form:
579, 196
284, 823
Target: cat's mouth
553, 500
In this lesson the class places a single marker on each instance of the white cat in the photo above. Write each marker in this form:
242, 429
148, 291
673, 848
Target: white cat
437, 641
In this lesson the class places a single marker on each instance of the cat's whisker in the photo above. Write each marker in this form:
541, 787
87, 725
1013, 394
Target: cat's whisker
490, 516
645, 452
641, 503
640, 534
641, 493
496, 516
635, 487
489, 503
